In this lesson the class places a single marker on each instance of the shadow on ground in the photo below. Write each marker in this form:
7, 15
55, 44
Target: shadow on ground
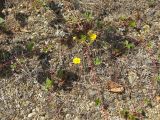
56, 7
116, 41
5, 69
66, 79
44, 63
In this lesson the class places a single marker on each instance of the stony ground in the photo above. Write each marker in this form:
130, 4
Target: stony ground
119, 74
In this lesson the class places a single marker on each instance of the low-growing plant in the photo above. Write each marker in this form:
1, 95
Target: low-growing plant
88, 16
123, 18
83, 38
142, 112
148, 102
128, 21
47, 48
48, 84
86, 39
128, 115
73, 19
97, 102
13, 66
97, 61
99, 24
150, 45
1, 21
132, 23
158, 78
151, 3
30, 46
60, 73
128, 45
124, 113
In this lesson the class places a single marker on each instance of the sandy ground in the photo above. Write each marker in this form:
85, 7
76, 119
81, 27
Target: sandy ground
36, 44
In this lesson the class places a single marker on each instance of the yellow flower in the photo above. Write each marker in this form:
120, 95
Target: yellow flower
76, 60
92, 36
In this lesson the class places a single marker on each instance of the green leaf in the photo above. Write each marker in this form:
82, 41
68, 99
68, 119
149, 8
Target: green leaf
132, 23
83, 38
128, 45
98, 102
48, 83
131, 45
1, 20
97, 61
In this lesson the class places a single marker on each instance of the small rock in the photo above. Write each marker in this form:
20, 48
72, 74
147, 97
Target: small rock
76, 118
68, 116
42, 118
31, 114
37, 109
92, 93
132, 76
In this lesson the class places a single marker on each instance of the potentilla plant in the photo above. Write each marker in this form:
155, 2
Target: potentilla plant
86, 39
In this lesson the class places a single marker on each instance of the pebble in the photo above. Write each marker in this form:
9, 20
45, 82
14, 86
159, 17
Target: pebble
42, 118
92, 93
132, 76
76, 118
31, 114
68, 116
